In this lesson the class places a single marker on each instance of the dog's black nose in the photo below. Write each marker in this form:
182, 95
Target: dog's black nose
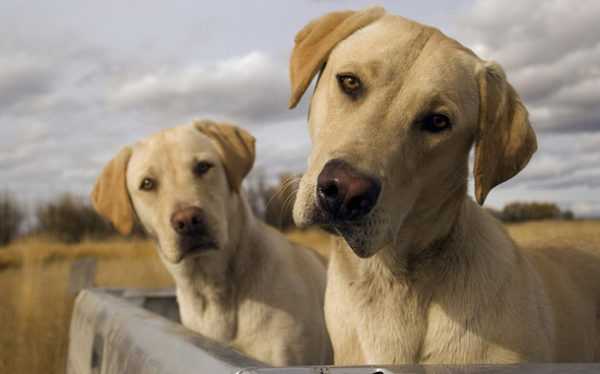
188, 221
345, 193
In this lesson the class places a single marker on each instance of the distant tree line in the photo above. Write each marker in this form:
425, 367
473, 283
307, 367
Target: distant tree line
11, 218
68, 219
530, 211
71, 219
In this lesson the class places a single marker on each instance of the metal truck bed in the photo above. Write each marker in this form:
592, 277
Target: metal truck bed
126, 331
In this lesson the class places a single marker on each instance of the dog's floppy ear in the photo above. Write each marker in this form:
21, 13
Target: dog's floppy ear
237, 149
505, 141
110, 197
317, 39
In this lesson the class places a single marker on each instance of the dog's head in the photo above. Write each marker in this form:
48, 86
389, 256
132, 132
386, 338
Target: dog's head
179, 183
396, 108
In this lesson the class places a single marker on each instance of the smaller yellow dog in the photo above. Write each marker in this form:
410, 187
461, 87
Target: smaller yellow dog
238, 281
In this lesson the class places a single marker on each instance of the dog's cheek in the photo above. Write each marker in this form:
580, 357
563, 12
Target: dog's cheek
221, 232
149, 221
387, 220
168, 246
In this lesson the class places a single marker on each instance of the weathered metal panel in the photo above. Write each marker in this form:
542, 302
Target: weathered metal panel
124, 331
111, 335
439, 369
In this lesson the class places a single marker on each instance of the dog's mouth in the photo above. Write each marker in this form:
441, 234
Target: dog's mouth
191, 246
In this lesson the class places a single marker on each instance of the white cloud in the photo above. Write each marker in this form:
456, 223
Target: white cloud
551, 51
72, 95
23, 77
66, 112
530, 31
251, 88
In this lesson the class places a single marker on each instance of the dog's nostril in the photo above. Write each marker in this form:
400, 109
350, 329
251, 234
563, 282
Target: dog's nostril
356, 206
195, 220
357, 203
330, 189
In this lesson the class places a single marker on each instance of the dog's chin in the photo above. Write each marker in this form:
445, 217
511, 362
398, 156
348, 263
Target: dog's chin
189, 249
355, 233
198, 248
356, 239
198, 252
359, 234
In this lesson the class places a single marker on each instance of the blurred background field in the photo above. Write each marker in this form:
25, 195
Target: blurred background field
36, 275
36, 300
46, 253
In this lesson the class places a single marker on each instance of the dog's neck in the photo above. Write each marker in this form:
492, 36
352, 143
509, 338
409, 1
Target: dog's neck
441, 242
210, 287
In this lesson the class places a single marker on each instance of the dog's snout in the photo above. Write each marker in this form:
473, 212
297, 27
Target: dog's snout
345, 193
188, 221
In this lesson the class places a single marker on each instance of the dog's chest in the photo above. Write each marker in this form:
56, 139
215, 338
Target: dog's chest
206, 317
395, 325
381, 323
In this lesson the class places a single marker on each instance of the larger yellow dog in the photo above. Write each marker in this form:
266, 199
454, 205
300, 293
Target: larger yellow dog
423, 274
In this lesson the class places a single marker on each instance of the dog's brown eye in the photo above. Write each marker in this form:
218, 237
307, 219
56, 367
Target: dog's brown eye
202, 167
147, 184
350, 84
435, 123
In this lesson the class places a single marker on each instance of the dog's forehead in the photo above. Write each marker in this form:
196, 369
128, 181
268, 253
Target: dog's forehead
188, 139
175, 145
393, 45
378, 38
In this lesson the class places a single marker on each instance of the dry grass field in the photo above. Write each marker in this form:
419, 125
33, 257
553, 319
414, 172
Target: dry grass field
529, 232
36, 303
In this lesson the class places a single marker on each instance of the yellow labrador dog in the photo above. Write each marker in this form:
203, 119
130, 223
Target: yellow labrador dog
238, 281
423, 274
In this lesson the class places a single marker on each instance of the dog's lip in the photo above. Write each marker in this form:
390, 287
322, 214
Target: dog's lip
192, 247
191, 253
193, 250
325, 220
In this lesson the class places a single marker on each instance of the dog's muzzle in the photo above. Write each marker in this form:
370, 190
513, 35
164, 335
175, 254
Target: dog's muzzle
193, 235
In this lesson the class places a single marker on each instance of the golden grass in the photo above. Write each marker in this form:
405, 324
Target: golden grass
35, 302
580, 230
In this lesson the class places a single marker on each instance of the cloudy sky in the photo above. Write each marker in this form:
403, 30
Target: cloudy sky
79, 79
